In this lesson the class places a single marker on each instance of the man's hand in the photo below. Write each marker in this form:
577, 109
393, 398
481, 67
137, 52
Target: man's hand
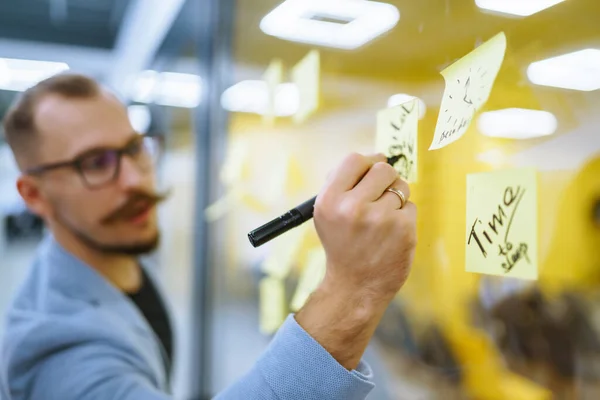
370, 244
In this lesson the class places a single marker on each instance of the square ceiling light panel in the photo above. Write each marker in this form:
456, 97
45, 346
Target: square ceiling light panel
579, 70
517, 123
520, 8
343, 24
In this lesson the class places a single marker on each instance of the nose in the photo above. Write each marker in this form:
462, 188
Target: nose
130, 176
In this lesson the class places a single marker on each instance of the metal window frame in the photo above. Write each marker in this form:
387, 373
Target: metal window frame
214, 30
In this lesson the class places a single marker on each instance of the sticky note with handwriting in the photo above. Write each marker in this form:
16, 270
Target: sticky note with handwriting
397, 129
306, 76
273, 77
310, 278
501, 235
273, 310
469, 82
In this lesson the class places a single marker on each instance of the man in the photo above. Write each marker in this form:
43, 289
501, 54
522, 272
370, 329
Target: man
88, 322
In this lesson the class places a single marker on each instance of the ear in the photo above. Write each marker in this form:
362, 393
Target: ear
30, 192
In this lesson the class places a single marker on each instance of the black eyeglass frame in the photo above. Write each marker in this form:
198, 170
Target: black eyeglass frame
76, 162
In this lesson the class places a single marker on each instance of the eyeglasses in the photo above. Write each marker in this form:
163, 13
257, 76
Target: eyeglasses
100, 167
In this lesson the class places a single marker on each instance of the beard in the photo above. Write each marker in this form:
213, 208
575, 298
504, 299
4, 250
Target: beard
129, 249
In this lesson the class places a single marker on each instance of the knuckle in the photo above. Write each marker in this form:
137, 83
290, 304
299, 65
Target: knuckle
385, 169
353, 212
382, 218
355, 158
323, 205
409, 231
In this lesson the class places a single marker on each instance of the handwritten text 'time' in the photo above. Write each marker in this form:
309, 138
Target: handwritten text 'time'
489, 236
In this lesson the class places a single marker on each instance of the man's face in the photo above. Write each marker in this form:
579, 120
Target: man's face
115, 217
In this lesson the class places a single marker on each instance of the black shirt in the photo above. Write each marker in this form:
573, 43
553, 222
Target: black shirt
149, 302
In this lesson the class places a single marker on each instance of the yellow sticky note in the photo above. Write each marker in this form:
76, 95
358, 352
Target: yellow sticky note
285, 178
306, 76
397, 129
501, 234
283, 252
295, 180
469, 82
312, 275
273, 77
235, 166
273, 310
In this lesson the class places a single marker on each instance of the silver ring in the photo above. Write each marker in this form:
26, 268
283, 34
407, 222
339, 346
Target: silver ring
400, 195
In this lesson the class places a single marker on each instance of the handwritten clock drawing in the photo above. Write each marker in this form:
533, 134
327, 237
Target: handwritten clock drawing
501, 231
397, 129
469, 82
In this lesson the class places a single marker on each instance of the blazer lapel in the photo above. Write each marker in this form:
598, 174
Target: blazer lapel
70, 276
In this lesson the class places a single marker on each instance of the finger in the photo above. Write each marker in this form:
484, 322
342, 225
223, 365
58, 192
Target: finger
351, 171
372, 186
409, 212
391, 200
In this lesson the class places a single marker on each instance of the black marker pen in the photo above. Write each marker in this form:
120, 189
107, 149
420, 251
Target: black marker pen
291, 219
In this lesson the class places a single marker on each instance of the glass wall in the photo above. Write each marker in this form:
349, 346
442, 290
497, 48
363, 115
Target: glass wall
450, 333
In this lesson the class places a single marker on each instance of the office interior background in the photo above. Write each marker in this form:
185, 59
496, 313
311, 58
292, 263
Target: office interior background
200, 73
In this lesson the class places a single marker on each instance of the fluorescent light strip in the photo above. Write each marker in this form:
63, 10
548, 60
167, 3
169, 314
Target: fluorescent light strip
168, 89
252, 96
179, 90
20, 75
579, 70
521, 8
292, 20
517, 123
402, 98
140, 118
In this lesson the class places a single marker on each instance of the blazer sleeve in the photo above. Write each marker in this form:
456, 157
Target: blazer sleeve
297, 367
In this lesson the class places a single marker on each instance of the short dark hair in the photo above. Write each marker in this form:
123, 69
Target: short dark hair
19, 123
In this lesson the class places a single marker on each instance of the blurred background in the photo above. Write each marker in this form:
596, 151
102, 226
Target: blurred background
249, 136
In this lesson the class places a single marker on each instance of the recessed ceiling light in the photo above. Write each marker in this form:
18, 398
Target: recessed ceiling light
252, 96
522, 8
344, 24
579, 70
517, 123
402, 98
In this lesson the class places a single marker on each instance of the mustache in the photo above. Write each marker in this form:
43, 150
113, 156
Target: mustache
136, 202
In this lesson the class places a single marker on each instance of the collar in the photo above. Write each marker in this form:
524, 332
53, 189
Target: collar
71, 276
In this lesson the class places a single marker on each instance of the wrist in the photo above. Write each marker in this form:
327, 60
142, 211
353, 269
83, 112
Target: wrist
342, 319
361, 302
